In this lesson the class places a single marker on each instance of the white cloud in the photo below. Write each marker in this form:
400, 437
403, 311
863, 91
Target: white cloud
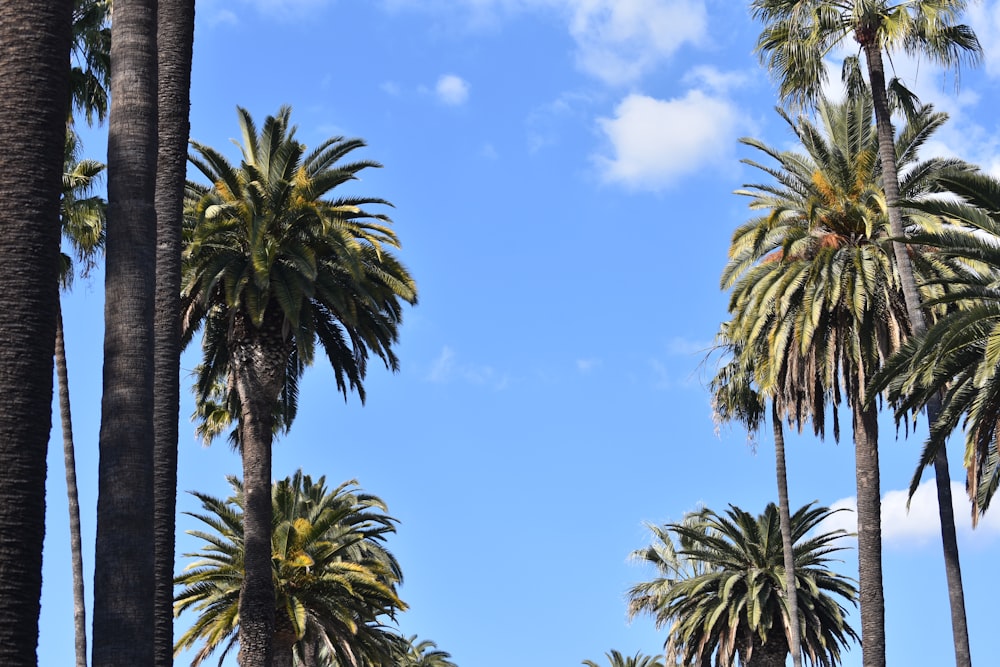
656, 142
452, 90
920, 525
446, 368
711, 78
390, 88
618, 41
587, 365
489, 151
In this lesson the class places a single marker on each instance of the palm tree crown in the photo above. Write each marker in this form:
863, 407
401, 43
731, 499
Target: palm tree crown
616, 659
334, 578
720, 588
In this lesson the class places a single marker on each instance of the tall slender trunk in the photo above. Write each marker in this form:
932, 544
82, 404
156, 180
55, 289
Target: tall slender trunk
73, 497
175, 34
787, 544
34, 87
918, 323
869, 534
257, 358
123, 575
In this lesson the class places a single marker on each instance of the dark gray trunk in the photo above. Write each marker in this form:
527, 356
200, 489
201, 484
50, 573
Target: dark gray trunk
914, 309
124, 575
257, 359
784, 513
871, 595
175, 34
72, 496
34, 87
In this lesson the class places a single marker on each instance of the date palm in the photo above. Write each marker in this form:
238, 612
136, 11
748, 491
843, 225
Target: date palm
335, 581
616, 659
798, 35
815, 288
275, 263
720, 589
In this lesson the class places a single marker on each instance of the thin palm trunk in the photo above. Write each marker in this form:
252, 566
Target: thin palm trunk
787, 546
918, 323
73, 497
34, 86
869, 534
175, 34
258, 363
124, 574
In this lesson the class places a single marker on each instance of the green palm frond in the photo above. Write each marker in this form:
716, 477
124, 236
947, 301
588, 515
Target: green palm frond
720, 583
335, 581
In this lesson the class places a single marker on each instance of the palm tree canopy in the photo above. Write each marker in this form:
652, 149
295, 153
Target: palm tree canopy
720, 583
424, 653
616, 659
815, 299
959, 355
270, 247
82, 213
335, 581
798, 35
91, 58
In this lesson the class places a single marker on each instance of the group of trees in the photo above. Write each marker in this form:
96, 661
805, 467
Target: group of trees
868, 274
266, 260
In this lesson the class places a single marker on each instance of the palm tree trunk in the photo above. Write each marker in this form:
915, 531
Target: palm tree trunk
73, 498
914, 309
952, 562
257, 359
787, 545
175, 34
34, 87
869, 534
124, 575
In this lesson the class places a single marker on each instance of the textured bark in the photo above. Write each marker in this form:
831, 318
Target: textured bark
257, 359
771, 654
284, 641
175, 33
73, 497
869, 535
918, 323
784, 514
34, 87
123, 576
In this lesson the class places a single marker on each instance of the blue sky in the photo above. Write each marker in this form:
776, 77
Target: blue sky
562, 173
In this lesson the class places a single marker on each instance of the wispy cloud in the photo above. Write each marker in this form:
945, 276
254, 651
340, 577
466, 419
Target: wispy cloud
654, 143
452, 90
920, 525
585, 366
446, 368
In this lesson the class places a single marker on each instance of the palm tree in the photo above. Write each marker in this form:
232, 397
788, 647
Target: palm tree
271, 268
956, 356
91, 58
123, 575
424, 653
616, 659
797, 36
335, 580
34, 86
720, 589
174, 38
814, 286
83, 223
735, 398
